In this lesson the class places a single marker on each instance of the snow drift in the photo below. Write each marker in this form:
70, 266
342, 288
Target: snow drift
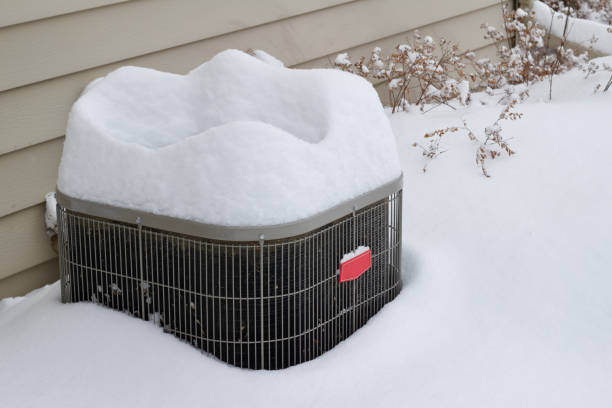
238, 141
579, 31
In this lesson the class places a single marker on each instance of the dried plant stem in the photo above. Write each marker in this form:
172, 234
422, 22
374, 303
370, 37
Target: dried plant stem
608, 84
489, 146
559, 54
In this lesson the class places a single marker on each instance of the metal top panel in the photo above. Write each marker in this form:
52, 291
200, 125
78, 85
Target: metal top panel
229, 233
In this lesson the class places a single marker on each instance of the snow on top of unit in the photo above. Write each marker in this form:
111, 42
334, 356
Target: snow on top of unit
267, 58
237, 141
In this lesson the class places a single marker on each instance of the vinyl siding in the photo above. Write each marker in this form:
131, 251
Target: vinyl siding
48, 56
22, 11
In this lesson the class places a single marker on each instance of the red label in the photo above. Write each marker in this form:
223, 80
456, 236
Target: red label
353, 268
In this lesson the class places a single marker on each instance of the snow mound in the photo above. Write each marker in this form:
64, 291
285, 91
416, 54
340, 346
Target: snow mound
579, 31
237, 141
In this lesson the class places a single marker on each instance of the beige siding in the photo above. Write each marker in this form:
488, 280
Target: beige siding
74, 42
24, 242
50, 56
29, 279
22, 11
25, 175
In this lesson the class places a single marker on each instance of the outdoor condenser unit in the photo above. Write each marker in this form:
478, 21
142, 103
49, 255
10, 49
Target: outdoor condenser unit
267, 297
249, 209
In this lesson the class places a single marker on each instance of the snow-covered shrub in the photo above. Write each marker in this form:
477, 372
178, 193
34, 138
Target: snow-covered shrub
427, 72
423, 71
489, 144
584, 23
524, 53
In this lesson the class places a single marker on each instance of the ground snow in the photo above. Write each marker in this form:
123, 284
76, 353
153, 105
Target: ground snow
579, 31
237, 141
506, 299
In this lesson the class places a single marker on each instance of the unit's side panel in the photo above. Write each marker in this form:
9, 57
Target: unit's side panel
258, 305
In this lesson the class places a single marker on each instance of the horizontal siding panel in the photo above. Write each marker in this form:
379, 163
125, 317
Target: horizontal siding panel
471, 37
25, 281
24, 242
22, 11
36, 113
26, 175
48, 48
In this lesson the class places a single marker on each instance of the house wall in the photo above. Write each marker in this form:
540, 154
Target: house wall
50, 51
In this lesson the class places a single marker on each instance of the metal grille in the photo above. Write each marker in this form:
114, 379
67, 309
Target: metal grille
259, 305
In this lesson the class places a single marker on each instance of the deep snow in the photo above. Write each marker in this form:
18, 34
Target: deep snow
506, 300
238, 141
